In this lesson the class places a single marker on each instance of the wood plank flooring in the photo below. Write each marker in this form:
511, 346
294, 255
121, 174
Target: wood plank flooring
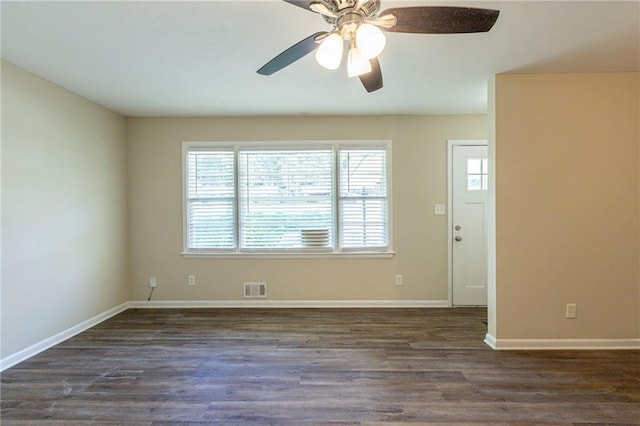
313, 366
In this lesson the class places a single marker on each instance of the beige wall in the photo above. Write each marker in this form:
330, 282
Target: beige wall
567, 167
419, 182
567, 156
64, 254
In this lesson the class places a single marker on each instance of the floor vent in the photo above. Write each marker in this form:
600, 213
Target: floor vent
255, 289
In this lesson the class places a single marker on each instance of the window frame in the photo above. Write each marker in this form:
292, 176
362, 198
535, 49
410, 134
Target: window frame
185, 201
300, 252
340, 199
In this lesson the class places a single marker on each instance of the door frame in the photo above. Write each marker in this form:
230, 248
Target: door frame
450, 144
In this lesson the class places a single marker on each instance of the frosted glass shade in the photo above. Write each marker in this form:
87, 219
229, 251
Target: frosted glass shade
370, 40
357, 64
329, 53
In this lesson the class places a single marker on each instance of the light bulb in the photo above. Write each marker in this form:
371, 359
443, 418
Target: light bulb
357, 64
370, 40
329, 53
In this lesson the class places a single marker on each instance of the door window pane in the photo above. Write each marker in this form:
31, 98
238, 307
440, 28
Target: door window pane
477, 174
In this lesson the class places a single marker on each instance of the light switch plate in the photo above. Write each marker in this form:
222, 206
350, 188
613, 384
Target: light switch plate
440, 209
570, 311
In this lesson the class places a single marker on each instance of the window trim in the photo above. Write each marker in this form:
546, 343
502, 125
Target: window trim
334, 252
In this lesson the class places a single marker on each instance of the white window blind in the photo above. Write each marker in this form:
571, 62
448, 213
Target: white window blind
285, 198
363, 198
289, 198
210, 199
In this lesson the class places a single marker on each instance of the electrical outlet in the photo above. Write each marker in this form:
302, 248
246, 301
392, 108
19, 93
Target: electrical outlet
399, 280
192, 280
153, 282
570, 311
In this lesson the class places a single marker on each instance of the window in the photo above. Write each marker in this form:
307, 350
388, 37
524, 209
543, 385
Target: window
293, 198
477, 174
283, 194
211, 199
363, 198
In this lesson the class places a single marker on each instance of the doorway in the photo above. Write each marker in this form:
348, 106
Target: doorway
468, 171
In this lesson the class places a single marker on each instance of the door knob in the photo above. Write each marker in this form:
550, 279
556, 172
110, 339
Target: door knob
458, 238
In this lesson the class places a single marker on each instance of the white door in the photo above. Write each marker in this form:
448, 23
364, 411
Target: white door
468, 221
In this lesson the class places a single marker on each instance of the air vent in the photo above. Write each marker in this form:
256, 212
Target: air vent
315, 237
255, 289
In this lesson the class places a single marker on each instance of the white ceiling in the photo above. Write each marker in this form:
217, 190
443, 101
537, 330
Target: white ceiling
180, 58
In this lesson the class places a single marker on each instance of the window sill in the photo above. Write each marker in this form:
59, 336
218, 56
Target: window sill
276, 255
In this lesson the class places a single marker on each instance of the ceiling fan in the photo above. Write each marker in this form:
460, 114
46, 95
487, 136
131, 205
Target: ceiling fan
360, 23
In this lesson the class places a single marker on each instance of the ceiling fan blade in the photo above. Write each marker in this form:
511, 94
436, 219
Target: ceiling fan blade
292, 54
372, 80
442, 19
384, 21
300, 3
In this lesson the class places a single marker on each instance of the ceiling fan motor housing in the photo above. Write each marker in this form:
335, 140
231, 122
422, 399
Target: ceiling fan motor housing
367, 9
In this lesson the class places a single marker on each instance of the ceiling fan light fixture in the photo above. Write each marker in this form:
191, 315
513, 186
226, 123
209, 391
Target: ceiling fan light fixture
329, 54
370, 40
360, 22
357, 64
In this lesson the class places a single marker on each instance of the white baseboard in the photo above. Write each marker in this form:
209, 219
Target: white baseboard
497, 344
561, 344
141, 304
490, 340
45, 344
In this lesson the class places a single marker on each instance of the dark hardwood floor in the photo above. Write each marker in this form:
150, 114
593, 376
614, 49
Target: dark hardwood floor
313, 366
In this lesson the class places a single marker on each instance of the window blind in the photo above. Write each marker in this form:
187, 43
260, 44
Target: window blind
210, 197
262, 198
286, 198
363, 198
